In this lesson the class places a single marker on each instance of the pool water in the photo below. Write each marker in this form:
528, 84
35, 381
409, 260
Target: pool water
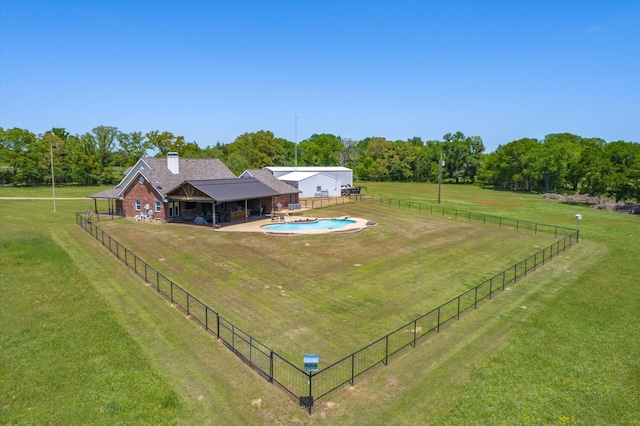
301, 226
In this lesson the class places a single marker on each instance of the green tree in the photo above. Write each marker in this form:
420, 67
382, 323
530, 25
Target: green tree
402, 161
377, 166
463, 156
512, 166
20, 150
622, 181
254, 151
350, 153
133, 146
320, 150
595, 169
164, 142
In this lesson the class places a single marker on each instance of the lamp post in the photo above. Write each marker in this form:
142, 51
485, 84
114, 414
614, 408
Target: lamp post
53, 178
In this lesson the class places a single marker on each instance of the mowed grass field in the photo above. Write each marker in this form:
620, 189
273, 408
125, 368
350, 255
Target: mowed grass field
330, 294
560, 347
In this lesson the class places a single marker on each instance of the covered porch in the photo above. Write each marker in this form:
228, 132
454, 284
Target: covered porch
221, 201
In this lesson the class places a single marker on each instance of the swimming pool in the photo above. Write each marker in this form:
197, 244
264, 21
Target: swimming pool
302, 226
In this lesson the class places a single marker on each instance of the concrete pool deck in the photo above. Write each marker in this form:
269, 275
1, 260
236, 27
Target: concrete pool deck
256, 226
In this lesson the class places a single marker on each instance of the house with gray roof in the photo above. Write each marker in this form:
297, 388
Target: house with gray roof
183, 189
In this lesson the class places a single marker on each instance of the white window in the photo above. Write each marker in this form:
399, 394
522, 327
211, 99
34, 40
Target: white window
138, 205
158, 206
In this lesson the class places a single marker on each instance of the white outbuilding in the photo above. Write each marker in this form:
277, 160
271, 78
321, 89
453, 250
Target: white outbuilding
313, 184
343, 173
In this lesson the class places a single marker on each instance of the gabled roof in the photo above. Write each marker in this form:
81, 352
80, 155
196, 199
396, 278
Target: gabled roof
227, 189
156, 172
300, 176
308, 169
266, 177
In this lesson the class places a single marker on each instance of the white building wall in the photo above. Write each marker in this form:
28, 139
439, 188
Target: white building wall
343, 173
309, 186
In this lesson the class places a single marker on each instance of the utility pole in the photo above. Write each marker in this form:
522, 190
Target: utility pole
295, 137
53, 178
439, 178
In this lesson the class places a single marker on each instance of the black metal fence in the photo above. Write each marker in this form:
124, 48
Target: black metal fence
310, 387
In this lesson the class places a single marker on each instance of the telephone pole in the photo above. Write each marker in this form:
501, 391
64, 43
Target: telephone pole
440, 177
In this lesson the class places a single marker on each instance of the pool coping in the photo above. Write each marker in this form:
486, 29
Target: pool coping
256, 226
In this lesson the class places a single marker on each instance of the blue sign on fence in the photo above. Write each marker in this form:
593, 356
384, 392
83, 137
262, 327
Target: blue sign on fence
310, 362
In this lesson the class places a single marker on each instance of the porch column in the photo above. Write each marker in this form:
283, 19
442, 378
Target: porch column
213, 213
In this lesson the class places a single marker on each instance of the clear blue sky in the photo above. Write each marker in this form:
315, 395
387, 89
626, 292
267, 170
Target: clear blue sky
213, 70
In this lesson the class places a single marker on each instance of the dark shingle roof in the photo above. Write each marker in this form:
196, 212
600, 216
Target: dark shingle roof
158, 173
233, 189
265, 176
190, 169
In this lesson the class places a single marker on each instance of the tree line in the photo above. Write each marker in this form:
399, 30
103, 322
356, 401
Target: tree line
559, 163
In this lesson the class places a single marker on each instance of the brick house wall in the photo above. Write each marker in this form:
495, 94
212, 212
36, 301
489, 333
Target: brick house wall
147, 195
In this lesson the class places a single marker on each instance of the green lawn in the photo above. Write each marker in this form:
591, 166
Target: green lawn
560, 347
330, 294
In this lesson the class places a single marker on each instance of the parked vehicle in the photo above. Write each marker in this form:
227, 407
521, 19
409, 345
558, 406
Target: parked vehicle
347, 190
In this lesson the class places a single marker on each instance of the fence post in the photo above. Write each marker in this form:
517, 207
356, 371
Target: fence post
490, 288
310, 401
353, 368
271, 366
438, 326
458, 315
525, 267
415, 332
475, 301
386, 350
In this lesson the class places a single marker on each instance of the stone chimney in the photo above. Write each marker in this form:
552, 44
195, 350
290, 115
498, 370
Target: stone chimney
173, 163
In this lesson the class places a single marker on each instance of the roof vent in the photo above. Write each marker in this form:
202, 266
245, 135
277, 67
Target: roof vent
173, 163
159, 184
